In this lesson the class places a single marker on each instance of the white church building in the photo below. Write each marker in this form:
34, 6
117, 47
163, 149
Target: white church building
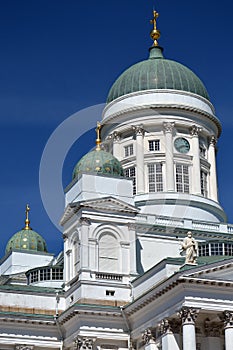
148, 254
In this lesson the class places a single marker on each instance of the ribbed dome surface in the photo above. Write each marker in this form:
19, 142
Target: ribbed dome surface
26, 240
157, 73
98, 162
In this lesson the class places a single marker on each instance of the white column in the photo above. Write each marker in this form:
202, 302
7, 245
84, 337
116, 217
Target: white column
140, 172
228, 323
84, 243
196, 174
149, 340
170, 178
188, 316
168, 338
213, 189
116, 149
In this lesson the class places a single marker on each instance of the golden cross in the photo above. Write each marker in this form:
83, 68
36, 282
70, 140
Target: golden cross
98, 140
155, 16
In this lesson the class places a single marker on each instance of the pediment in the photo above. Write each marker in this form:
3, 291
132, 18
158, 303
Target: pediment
106, 204
109, 204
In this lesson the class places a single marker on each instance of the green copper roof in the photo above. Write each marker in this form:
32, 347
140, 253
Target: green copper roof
157, 73
26, 239
98, 162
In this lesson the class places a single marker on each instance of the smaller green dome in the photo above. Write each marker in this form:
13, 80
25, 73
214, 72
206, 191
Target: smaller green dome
26, 239
98, 162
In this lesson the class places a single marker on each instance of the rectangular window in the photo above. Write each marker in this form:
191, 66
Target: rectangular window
182, 178
128, 150
154, 145
204, 191
216, 248
131, 172
202, 152
155, 177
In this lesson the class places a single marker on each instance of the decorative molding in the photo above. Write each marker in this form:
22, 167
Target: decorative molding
188, 315
212, 329
148, 337
195, 130
24, 347
82, 343
168, 127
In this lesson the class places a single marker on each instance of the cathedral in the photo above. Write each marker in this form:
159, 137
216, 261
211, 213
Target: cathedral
147, 262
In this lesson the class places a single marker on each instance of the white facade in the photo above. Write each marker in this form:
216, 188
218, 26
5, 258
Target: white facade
126, 284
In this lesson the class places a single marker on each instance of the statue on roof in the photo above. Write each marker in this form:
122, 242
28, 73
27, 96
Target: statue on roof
190, 246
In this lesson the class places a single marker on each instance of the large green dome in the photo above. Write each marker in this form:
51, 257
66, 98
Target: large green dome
26, 239
157, 73
98, 162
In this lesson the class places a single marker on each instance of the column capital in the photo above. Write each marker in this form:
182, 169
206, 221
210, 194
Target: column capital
85, 221
82, 343
227, 318
24, 347
116, 136
138, 129
168, 127
172, 325
147, 336
213, 140
195, 130
188, 315
164, 326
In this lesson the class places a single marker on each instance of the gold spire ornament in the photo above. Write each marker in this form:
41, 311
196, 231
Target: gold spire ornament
98, 139
155, 33
27, 221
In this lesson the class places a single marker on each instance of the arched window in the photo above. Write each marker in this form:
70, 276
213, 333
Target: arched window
108, 253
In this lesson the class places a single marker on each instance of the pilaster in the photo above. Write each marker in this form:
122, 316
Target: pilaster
84, 254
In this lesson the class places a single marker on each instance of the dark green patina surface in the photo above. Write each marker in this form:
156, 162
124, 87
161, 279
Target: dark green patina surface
157, 73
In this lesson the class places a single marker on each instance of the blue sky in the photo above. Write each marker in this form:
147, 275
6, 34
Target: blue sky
58, 57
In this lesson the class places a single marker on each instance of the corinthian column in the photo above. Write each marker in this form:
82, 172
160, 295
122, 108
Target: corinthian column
168, 339
188, 316
170, 179
149, 340
228, 325
213, 175
140, 173
196, 178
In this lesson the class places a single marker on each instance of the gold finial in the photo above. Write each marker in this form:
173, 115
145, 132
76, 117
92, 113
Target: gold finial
155, 33
27, 221
98, 139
